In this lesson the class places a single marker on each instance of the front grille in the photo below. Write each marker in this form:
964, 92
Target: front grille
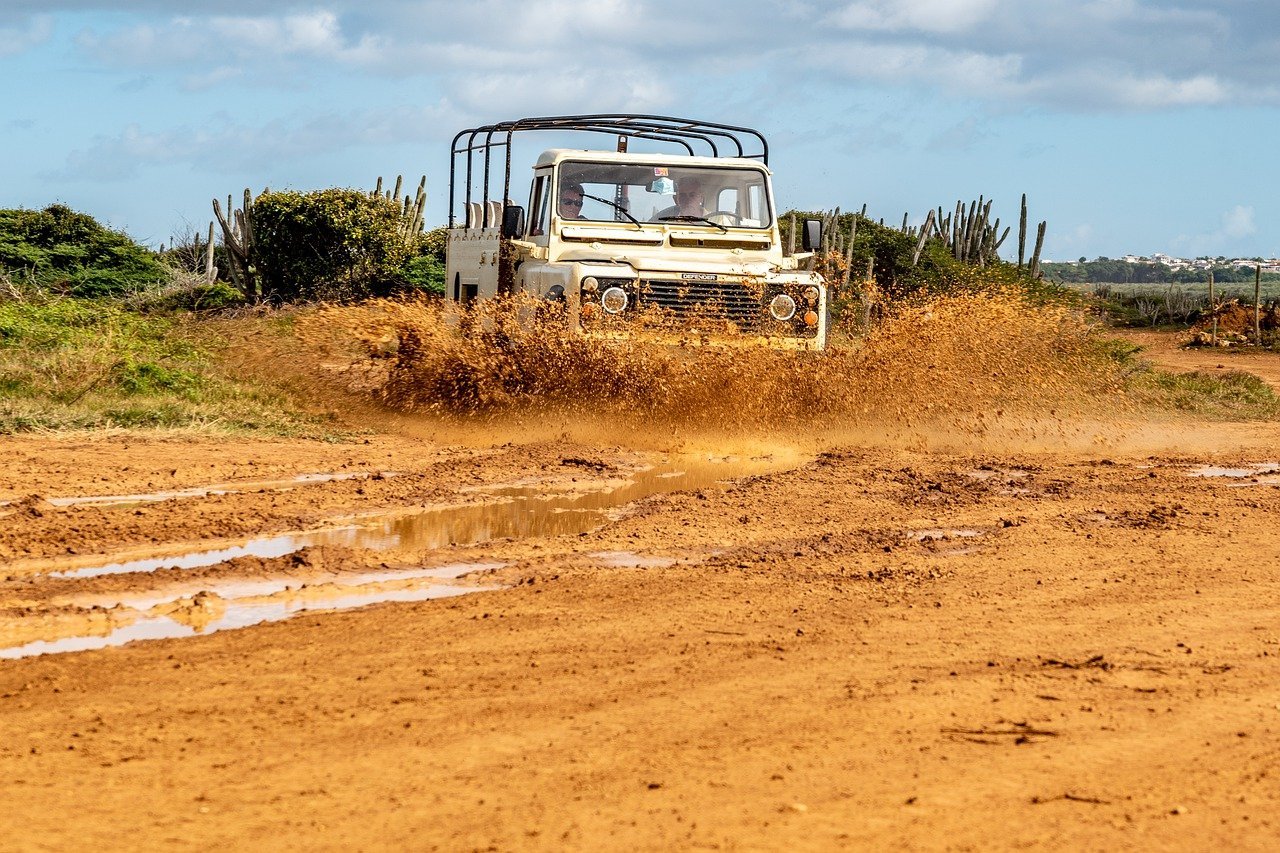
721, 300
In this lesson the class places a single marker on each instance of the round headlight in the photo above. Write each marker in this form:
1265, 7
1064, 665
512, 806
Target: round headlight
614, 300
811, 295
590, 285
782, 307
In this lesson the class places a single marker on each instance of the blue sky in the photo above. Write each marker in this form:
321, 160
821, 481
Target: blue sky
1132, 126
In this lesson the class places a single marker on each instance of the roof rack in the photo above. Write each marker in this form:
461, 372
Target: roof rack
684, 132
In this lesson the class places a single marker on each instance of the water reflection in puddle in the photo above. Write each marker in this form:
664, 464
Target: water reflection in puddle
235, 615
279, 485
1258, 473
421, 530
1248, 471
240, 588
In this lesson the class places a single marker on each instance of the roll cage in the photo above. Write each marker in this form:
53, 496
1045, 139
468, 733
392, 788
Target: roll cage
687, 133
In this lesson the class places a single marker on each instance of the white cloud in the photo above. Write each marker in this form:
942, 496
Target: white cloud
224, 145
23, 35
313, 35
1234, 225
1238, 222
565, 91
960, 137
928, 16
966, 73
1161, 91
1117, 55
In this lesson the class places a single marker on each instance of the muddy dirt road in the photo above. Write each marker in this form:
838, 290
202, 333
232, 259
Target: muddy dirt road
749, 647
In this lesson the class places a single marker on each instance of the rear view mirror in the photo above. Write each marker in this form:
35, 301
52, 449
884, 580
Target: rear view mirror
811, 239
512, 221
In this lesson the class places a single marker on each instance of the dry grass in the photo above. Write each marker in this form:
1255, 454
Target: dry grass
75, 364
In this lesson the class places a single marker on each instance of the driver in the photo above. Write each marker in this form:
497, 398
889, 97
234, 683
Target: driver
690, 201
570, 205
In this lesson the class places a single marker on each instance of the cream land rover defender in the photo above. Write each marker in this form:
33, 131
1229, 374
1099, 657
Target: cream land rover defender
681, 244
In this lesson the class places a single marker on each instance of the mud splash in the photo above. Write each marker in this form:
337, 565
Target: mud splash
966, 355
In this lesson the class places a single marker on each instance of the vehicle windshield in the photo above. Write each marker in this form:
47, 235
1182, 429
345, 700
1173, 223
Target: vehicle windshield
625, 192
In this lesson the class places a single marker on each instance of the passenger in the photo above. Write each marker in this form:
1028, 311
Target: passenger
571, 202
690, 201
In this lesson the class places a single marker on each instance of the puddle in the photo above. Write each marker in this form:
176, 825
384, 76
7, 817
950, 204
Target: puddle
1251, 470
631, 560
982, 474
1257, 473
281, 485
423, 529
231, 615
193, 610
240, 588
938, 534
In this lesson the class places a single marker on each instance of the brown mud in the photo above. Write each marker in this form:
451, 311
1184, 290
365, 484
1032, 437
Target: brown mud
1016, 622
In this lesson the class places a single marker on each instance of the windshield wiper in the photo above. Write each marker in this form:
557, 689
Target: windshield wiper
688, 218
616, 207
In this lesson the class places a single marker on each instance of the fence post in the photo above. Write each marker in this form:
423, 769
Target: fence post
210, 272
1257, 305
1213, 312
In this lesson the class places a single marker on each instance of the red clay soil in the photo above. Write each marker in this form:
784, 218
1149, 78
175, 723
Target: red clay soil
1002, 644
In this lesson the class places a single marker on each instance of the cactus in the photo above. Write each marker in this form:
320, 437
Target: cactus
237, 236
1035, 256
925, 231
1022, 232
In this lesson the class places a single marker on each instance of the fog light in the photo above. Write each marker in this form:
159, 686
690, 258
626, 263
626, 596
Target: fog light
614, 300
782, 307
811, 295
811, 318
590, 285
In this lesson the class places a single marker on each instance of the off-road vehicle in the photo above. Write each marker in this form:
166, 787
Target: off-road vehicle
684, 244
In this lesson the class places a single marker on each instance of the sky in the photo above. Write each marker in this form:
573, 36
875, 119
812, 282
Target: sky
1133, 127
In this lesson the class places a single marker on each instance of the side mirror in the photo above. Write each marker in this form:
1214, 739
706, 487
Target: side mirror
512, 221
811, 239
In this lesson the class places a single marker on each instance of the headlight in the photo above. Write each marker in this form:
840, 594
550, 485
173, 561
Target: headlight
811, 295
590, 284
614, 300
782, 307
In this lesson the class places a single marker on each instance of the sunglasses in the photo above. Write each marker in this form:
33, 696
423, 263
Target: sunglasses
571, 202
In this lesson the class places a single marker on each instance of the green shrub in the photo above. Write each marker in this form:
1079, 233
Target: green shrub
71, 252
186, 295
329, 244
